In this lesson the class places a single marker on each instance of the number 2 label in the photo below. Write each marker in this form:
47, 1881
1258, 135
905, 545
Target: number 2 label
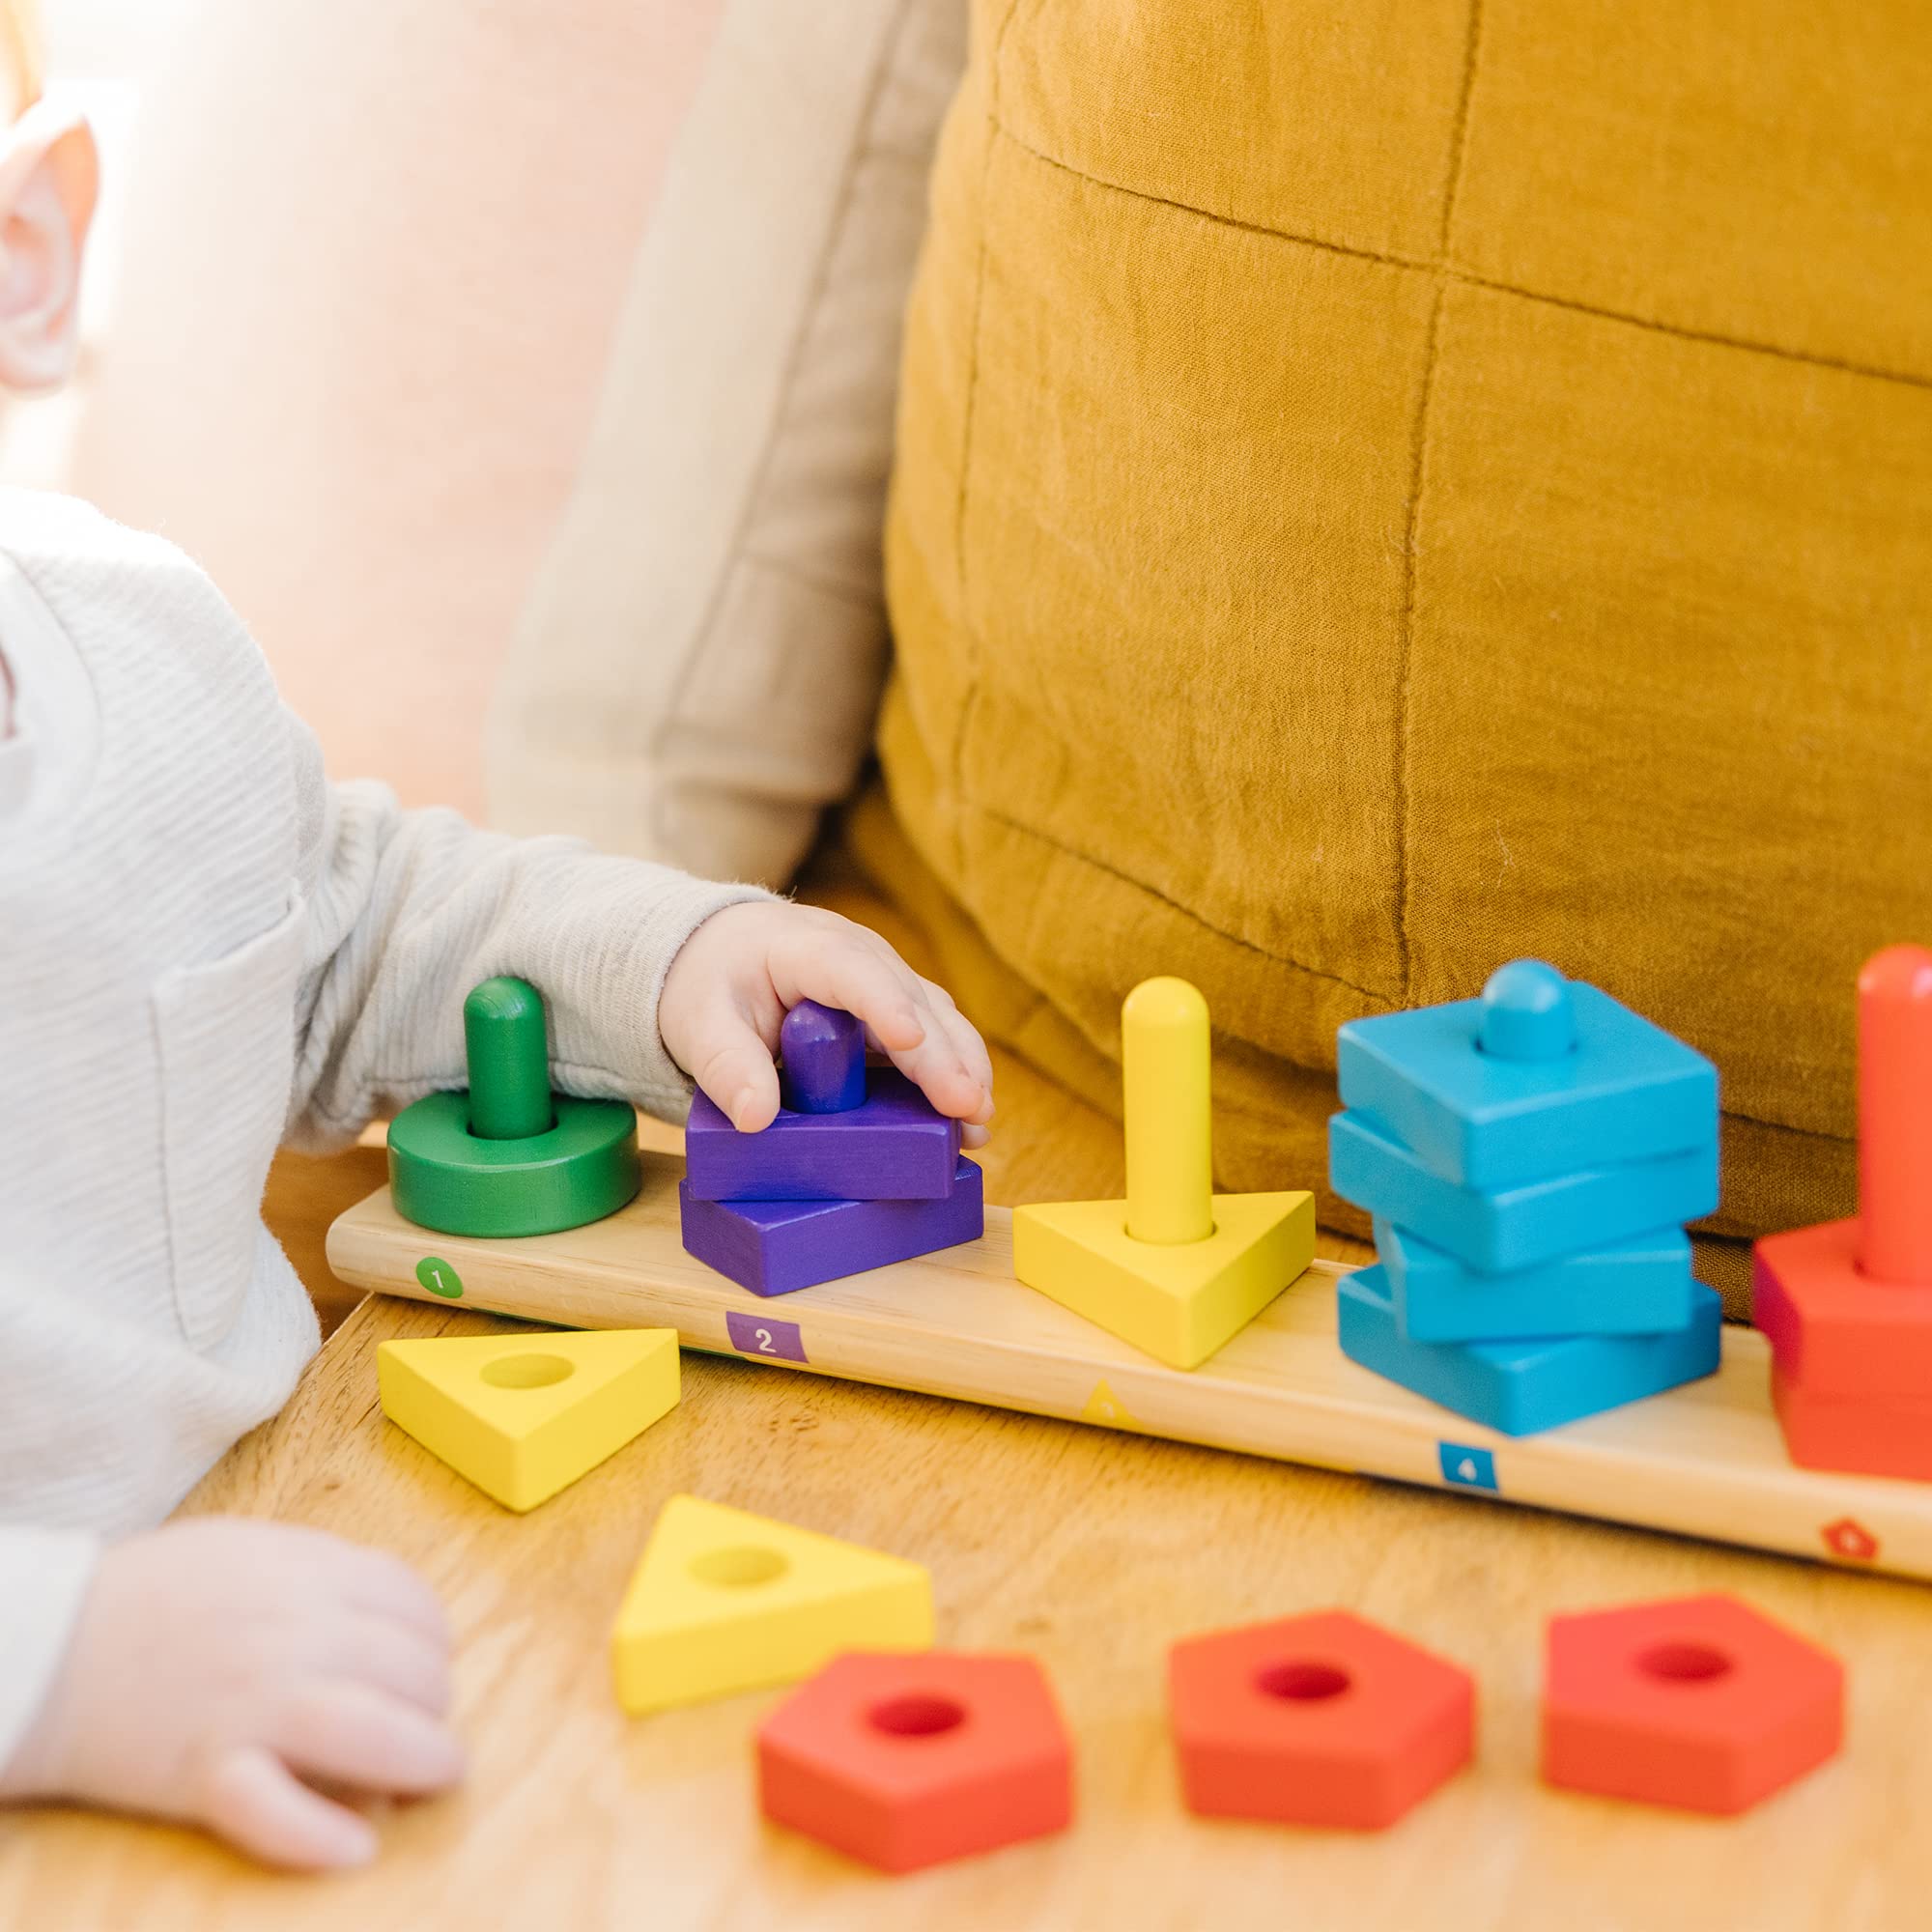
756, 1335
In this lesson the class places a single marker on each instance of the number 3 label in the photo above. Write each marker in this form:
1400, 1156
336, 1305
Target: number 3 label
755, 1335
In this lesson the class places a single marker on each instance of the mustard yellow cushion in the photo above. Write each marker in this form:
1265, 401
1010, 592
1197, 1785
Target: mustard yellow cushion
1383, 489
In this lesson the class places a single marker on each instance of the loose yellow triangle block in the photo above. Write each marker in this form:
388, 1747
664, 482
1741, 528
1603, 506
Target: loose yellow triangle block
1178, 1301
724, 1601
523, 1416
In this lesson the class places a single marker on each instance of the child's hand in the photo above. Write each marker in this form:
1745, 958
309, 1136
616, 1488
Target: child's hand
218, 1662
745, 968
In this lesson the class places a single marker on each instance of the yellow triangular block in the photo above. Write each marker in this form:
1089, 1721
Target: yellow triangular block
521, 1415
1179, 1301
1107, 1408
723, 1601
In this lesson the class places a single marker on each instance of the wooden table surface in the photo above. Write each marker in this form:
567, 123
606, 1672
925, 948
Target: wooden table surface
1092, 1549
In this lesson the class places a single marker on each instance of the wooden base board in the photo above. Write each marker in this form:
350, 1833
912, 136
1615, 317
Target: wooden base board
1706, 1460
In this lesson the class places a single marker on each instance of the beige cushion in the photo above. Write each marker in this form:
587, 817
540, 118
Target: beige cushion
698, 669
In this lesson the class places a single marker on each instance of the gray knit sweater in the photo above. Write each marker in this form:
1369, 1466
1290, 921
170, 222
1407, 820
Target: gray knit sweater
207, 949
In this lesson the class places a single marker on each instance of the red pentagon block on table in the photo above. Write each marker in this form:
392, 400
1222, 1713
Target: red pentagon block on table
1322, 1720
906, 1760
1861, 1434
1701, 1703
1834, 1328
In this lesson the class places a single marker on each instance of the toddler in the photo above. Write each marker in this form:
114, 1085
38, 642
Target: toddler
207, 949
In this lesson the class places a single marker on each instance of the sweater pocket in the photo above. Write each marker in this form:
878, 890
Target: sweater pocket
225, 1031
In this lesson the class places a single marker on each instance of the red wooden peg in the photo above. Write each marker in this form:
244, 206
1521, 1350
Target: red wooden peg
1895, 1116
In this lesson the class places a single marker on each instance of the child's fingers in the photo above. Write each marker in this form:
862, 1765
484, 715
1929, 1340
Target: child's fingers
857, 973
971, 1048
380, 1584
392, 1657
939, 1068
253, 1800
353, 1734
733, 1066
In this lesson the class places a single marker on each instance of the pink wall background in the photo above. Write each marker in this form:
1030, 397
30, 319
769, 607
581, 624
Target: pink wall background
359, 333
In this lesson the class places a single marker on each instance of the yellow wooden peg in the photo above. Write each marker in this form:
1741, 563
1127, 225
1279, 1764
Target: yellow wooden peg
1168, 1119
723, 1601
524, 1415
1175, 1269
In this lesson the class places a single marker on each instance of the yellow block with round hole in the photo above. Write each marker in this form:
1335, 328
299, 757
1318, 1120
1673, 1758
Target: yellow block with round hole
723, 1601
524, 1415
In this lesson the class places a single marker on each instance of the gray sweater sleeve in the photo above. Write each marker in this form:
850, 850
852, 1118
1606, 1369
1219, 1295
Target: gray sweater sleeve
408, 909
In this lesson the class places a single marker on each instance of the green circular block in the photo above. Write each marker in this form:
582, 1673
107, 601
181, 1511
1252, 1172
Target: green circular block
443, 1177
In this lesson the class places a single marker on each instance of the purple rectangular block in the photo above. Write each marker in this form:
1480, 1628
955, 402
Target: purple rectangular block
894, 1146
772, 1247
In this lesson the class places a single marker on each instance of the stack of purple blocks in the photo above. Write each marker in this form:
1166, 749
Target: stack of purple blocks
857, 1170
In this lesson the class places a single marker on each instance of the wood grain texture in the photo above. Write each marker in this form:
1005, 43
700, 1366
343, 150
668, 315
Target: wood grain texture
1090, 1549
1706, 1459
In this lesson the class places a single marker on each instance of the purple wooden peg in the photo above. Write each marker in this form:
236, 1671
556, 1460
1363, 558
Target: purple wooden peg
774, 1247
823, 1055
894, 1146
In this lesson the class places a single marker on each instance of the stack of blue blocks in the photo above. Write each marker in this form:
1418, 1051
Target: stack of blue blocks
1529, 1159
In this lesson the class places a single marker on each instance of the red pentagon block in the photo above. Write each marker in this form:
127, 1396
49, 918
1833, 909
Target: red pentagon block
1834, 1328
1701, 1703
907, 1759
1319, 1720
1861, 1434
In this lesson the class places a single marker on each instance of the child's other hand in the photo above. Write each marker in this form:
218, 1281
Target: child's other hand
745, 968
219, 1663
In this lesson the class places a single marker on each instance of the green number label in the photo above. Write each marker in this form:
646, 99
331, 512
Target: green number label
440, 1278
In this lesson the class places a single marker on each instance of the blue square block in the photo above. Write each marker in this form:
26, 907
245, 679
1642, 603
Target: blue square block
1636, 1288
1518, 1387
1517, 1227
776, 1247
894, 1146
1625, 1091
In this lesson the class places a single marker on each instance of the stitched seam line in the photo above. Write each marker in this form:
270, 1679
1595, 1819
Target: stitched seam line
1405, 647
819, 581
1399, 786
1458, 131
968, 698
1075, 853
1679, 331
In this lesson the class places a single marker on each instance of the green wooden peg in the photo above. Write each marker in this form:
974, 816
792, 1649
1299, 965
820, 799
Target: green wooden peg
507, 1156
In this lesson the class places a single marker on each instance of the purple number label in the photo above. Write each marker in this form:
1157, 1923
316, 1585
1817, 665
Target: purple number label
761, 1335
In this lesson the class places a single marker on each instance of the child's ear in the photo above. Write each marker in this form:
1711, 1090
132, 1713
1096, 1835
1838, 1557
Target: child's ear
49, 176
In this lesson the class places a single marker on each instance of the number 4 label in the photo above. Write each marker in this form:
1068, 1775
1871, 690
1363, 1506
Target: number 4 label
1466, 1467
763, 1335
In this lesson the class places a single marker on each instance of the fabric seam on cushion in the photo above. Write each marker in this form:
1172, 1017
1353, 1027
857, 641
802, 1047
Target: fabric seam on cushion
1406, 642
1411, 534
968, 698
1073, 852
1680, 332
807, 578
1066, 851
671, 717
1458, 131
